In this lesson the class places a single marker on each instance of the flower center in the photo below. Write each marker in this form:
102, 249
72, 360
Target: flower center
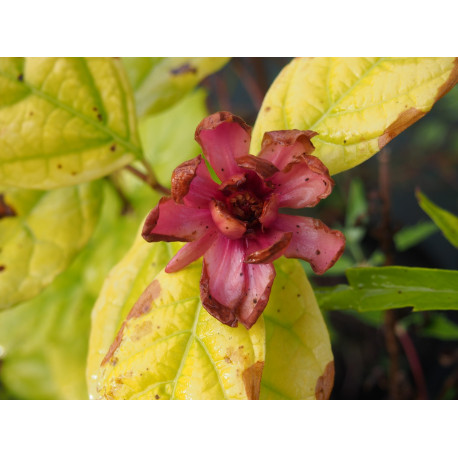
245, 206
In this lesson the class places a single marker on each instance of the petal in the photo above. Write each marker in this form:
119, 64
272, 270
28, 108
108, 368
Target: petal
193, 185
170, 222
265, 169
192, 251
259, 279
303, 183
283, 146
312, 241
222, 285
267, 246
223, 137
269, 210
231, 227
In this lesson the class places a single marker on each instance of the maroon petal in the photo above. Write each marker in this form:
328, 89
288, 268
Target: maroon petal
259, 279
284, 146
171, 222
233, 183
231, 227
193, 185
223, 137
303, 183
267, 246
269, 210
222, 285
192, 251
312, 241
262, 167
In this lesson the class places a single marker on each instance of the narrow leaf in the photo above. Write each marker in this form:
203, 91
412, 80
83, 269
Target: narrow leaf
446, 221
357, 105
410, 236
64, 121
383, 288
40, 234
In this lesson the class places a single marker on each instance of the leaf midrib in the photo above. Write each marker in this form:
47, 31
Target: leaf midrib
99, 126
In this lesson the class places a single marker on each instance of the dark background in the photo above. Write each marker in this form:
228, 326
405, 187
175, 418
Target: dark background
424, 156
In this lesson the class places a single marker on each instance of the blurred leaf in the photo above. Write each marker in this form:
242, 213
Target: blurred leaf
357, 204
357, 105
447, 222
410, 236
169, 347
383, 288
40, 234
159, 82
168, 137
299, 361
436, 325
45, 340
64, 121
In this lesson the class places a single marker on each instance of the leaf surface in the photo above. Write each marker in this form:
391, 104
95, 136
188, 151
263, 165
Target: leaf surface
43, 342
168, 346
64, 121
159, 82
446, 221
299, 361
382, 288
357, 105
40, 234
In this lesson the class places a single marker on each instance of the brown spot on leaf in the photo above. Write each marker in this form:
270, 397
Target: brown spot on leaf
5, 209
404, 120
2, 268
20, 77
183, 69
252, 380
113, 147
144, 302
266, 109
325, 383
141, 330
114, 346
156, 396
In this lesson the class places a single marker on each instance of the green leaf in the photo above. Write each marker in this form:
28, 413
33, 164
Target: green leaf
168, 346
40, 234
299, 361
435, 325
43, 342
357, 105
168, 137
357, 207
159, 82
446, 221
410, 236
383, 288
64, 121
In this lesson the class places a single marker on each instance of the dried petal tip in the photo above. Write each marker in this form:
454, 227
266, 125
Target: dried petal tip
182, 177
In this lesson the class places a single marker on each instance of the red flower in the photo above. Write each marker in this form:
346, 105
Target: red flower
236, 225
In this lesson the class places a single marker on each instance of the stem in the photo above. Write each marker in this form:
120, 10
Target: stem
414, 361
149, 178
385, 236
250, 84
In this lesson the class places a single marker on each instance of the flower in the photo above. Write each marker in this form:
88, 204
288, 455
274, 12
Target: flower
236, 225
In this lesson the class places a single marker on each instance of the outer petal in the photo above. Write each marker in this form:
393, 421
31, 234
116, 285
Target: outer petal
231, 227
222, 285
170, 222
284, 146
312, 241
223, 137
192, 184
267, 246
259, 279
303, 183
192, 251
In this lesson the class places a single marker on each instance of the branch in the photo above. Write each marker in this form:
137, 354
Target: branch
149, 178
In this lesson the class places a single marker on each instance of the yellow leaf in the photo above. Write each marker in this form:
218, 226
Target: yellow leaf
64, 121
299, 361
357, 105
168, 346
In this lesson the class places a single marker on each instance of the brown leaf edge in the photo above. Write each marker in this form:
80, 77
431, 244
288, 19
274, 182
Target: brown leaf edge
325, 383
412, 114
252, 380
